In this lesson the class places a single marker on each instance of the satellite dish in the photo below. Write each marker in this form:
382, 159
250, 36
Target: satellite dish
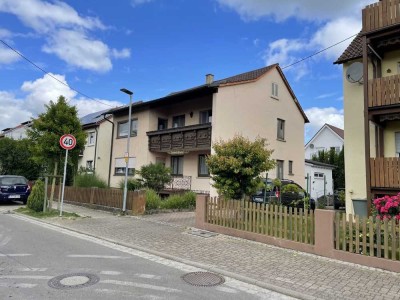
354, 73
311, 146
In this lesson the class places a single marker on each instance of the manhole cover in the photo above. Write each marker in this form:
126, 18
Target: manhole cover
73, 281
203, 279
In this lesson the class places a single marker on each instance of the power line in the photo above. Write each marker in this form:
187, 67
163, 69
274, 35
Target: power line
318, 52
55, 78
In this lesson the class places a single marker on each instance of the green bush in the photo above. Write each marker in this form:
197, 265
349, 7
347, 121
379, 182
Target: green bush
291, 188
153, 200
155, 176
89, 180
132, 184
322, 202
36, 198
185, 201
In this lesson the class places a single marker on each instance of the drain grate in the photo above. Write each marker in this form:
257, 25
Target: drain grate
203, 279
202, 233
73, 281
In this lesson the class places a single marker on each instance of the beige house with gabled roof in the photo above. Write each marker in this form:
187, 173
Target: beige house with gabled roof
180, 128
372, 107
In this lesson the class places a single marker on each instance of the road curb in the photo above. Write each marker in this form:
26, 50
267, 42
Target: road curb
206, 267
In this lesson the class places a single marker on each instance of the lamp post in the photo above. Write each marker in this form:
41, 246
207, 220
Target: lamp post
127, 147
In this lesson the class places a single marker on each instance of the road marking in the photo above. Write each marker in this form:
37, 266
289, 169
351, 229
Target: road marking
25, 285
226, 290
14, 254
148, 276
97, 256
25, 277
32, 269
141, 285
110, 273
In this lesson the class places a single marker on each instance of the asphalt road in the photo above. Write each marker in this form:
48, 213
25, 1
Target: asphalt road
41, 261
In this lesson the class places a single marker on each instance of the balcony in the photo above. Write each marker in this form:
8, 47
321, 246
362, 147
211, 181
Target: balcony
379, 15
384, 91
385, 172
181, 140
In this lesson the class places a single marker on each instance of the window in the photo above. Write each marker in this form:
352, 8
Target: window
91, 138
318, 175
203, 168
162, 124
120, 166
123, 128
397, 143
274, 90
89, 165
178, 121
290, 167
205, 116
177, 165
279, 169
281, 130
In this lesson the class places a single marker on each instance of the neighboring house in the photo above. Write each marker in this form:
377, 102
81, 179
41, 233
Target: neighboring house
327, 138
179, 129
97, 153
371, 76
18, 132
319, 181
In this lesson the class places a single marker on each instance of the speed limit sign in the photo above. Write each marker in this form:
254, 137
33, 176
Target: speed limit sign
68, 141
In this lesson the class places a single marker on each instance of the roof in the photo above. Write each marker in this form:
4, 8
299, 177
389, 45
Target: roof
353, 51
213, 87
319, 164
338, 131
92, 118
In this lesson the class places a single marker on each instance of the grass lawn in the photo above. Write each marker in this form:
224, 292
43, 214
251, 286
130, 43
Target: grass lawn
48, 214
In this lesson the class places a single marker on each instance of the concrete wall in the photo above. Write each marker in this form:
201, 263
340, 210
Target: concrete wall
325, 139
249, 110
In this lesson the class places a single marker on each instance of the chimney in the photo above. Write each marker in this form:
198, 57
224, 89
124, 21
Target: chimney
209, 78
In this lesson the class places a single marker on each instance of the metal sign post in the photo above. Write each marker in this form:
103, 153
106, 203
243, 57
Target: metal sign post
67, 142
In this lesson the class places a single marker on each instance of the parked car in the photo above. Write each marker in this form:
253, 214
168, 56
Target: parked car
338, 198
287, 198
14, 188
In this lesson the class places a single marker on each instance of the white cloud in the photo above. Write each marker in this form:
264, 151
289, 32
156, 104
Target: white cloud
123, 53
4, 33
135, 3
310, 10
318, 116
79, 50
39, 92
44, 16
7, 56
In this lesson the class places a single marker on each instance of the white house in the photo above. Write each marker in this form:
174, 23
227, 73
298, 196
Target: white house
319, 181
326, 138
18, 132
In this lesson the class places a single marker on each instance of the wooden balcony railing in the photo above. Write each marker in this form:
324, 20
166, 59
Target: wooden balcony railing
188, 138
381, 14
384, 91
385, 172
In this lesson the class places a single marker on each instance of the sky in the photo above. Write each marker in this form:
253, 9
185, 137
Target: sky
91, 49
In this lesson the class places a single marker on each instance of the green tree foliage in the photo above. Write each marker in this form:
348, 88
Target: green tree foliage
58, 119
36, 198
16, 159
336, 159
89, 180
155, 176
237, 164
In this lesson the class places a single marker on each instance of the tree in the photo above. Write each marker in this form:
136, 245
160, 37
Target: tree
44, 135
336, 159
237, 164
16, 159
155, 176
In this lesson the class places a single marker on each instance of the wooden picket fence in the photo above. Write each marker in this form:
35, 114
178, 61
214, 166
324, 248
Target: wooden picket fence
368, 236
272, 220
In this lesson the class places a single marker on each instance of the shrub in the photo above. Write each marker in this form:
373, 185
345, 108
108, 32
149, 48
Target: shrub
155, 176
291, 188
89, 180
322, 201
132, 184
36, 198
388, 207
185, 201
153, 200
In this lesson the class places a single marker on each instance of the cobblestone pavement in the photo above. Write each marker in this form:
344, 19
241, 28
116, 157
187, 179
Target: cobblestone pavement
309, 275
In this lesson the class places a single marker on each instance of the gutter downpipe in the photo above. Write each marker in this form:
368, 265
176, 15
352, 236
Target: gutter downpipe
111, 150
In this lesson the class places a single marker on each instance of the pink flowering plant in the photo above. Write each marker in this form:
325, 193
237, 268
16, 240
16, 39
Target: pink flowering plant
388, 207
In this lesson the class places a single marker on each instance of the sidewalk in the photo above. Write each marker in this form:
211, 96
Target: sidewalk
294, 273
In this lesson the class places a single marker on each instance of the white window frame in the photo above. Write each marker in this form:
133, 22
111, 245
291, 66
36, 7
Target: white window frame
91, 138
275, 90
319, 175
134, 128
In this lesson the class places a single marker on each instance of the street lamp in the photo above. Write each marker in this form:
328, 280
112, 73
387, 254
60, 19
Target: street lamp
127, 147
